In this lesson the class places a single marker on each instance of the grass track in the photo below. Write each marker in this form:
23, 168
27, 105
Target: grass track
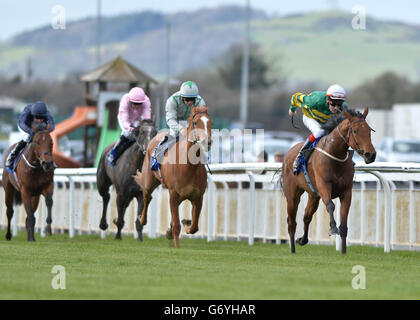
110, 269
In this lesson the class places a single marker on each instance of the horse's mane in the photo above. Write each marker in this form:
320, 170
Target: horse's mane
195, 110
334, 121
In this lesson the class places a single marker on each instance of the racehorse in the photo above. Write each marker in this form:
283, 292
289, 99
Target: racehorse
331, 172
34, 176
121, 176
185, 179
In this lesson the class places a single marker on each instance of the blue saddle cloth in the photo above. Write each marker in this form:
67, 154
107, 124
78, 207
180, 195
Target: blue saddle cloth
303, 161
303, 165
15, 162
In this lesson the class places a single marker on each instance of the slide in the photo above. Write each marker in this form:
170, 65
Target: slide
107, 136
82, 116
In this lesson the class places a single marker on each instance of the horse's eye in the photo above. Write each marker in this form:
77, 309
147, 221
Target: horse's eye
194, 123
355, 131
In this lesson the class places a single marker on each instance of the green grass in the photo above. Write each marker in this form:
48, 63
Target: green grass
110, 269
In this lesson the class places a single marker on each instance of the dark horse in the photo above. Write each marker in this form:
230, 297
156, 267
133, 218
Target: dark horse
182, 171
331, 173
121, 176
34, 176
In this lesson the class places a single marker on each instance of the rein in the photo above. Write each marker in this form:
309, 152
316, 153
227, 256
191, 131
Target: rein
347, 141
27, 161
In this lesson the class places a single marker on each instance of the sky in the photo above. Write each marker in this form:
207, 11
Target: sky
21, 15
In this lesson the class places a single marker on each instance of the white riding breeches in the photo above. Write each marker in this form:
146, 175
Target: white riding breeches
25, 136
314, 126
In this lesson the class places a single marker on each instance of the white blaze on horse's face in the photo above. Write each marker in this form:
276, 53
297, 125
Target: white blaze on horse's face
205, 119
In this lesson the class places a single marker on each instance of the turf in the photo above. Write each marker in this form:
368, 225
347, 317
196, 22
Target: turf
111, 269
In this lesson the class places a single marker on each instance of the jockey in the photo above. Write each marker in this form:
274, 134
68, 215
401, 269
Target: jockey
317, 108
134, 106
36, 113
178, 108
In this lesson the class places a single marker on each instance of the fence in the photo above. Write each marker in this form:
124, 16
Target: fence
244, 201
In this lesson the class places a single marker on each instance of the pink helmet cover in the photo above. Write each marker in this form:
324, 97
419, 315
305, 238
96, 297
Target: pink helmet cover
137, 95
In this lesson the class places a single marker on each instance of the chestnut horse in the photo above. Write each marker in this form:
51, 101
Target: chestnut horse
121, 176
330, 171
182, 171
34, 176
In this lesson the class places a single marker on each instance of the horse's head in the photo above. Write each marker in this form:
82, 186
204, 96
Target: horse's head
199, 127
43, 145
144, 133
358, 135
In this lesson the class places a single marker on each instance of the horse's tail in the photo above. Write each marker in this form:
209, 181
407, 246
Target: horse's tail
18, 198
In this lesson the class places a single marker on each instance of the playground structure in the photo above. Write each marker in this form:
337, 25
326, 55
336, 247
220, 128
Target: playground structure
100, 110
82, 116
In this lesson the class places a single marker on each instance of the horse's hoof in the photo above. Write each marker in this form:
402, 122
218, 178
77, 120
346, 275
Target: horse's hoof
117, 237
169, 234
186, 222
191, 230
103, 226
333, 230
302, 241
8, 237
47, 230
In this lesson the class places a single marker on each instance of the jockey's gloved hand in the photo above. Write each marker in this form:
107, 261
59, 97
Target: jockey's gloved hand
135, 124
291, 113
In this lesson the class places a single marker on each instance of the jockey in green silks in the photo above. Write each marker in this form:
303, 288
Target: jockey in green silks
317, 108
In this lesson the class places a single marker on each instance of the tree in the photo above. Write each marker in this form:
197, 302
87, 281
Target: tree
230, 69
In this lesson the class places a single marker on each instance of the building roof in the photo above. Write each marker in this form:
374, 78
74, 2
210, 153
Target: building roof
117, 70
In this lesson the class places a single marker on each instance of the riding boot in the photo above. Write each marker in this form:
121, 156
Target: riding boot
305, 146
120, 146
13, 154
160, 146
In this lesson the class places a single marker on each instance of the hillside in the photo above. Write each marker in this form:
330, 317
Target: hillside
317, 47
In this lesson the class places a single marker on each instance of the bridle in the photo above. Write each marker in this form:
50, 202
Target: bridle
37, 155
195, 141
351, 133
141, 148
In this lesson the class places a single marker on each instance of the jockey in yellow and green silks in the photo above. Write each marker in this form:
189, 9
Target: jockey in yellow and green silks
317, 108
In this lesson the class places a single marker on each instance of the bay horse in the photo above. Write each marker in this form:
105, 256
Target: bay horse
330, 171
34, 176
121, 176
182, 171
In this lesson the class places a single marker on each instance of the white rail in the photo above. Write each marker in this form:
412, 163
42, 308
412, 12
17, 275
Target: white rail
77, 206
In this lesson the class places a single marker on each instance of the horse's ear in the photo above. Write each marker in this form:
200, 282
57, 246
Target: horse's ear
365, 113
346, 114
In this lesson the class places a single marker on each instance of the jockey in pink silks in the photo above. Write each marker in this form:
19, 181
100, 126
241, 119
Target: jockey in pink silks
134, 106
